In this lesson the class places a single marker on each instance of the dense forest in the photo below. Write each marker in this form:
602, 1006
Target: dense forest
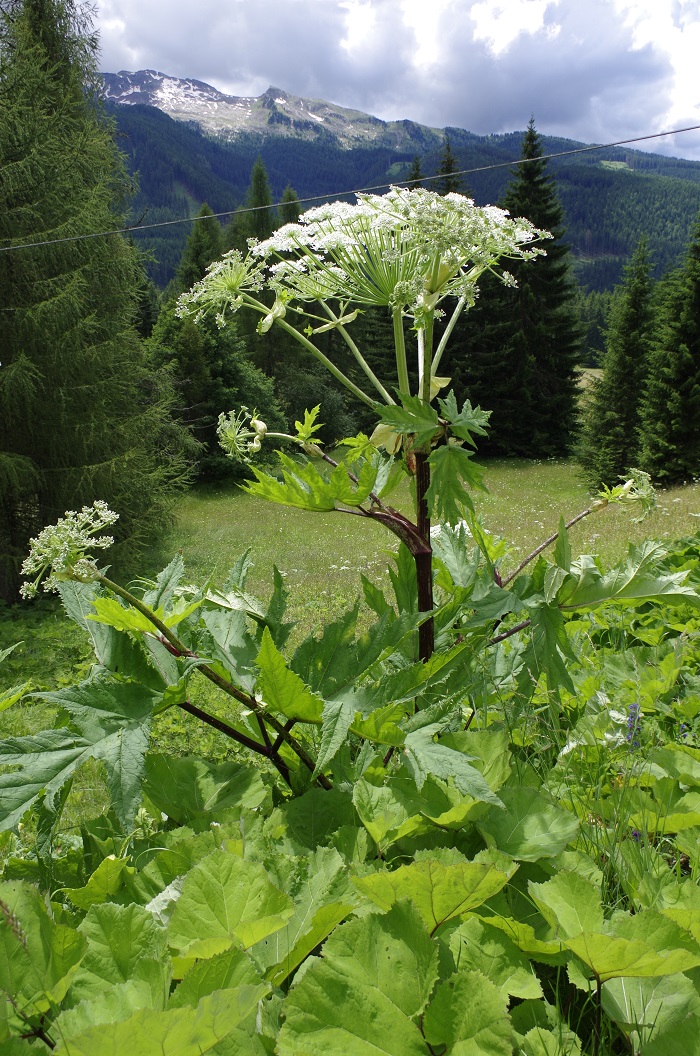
611, 198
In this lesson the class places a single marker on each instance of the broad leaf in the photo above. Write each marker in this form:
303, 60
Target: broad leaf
645, 945
360, 999
530, 827
104, 882
188, 788
569, 903
124, 943
468, 1014
284, 691
466, 423
635, 579
477, 946
649, 1007
226, 902
452, 471
439, 892
178, 1032
225, 971
423, 756
415, 418
38, 957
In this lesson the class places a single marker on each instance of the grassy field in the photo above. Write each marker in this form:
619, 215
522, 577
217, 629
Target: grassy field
321, 557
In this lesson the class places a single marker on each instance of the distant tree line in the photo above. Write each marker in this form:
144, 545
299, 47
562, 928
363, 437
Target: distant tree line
105, 392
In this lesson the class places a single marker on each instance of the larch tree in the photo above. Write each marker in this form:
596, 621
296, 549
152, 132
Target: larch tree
82, 413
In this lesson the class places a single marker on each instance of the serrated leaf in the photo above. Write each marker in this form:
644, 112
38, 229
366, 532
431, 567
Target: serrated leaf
649, 1007
167, 582
304, 487
468, 1014
187, 788
415, 418
225, 971
385, 814
113, 719
439, 892
647, 944
531, 827
121, 618
467, 422
38, 957
225, 902
635, 579
178, 1032
376, 974
104, 882
569, 903
232, 644
423, 756
123, 943
284, 691
337, 720
452, 473
381, 726
477, 946
551, 646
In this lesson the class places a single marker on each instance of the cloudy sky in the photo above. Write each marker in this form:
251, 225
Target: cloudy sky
592, 70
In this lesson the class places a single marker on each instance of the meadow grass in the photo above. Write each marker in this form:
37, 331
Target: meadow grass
321, 556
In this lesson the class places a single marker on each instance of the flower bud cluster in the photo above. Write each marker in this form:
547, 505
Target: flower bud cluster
241, 434
61, 548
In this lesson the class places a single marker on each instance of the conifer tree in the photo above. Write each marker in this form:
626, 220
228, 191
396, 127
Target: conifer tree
610, 435
290, 206
261, 221
205, 244
414, 176
670, 411
82, 413
449, 182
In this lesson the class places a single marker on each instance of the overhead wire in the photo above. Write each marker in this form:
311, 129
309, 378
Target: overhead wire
345, 194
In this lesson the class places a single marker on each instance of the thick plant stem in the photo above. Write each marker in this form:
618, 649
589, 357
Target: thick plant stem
266, 750
424, 560
213, 676
400, 345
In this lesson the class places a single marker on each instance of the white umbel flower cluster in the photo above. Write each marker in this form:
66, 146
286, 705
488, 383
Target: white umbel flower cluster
61, 548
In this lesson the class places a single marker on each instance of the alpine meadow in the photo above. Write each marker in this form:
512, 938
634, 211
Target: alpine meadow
350, 566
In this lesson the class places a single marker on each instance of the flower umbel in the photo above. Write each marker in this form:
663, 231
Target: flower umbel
240, 433
61, 548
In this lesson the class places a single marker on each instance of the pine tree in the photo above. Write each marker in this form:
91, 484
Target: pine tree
670, 411
449, 182
261, 221
83, 415
610, 441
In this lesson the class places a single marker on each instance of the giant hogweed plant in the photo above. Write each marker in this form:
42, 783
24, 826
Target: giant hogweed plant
397, 874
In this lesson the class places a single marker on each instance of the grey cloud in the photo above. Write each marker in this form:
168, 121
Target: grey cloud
586, 82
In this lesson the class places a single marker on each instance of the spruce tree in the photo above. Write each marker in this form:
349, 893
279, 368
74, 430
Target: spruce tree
414, 176
449, 181
261, 220
521, 347
205, 244
670, 410
610, 435
290, 206
82, 413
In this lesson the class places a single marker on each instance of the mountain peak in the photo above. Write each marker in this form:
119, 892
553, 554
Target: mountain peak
274, 113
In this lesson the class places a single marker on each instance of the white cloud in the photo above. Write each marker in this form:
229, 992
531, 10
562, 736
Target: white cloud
597, 70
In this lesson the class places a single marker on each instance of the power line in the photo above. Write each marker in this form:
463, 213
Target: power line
345, 194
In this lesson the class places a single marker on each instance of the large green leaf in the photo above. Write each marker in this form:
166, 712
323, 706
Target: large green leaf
530, 827
649, 1007
102, 884
423, 755
225, 971
304, 486
635, 579
185, 788
38, 957
385, 813
225, 902
440, 892
647, 944
569, 903
468, 1014
452, 472
477, 946
123, 944
360, 998
282, 690
232, 644
113, 722
176, 1032
320, 889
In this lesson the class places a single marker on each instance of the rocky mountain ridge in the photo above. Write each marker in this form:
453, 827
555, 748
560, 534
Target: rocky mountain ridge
274, 113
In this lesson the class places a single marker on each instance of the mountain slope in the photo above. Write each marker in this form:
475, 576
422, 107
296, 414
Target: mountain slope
190, 143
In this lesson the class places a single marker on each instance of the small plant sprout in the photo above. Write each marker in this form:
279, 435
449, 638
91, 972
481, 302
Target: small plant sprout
61, 549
